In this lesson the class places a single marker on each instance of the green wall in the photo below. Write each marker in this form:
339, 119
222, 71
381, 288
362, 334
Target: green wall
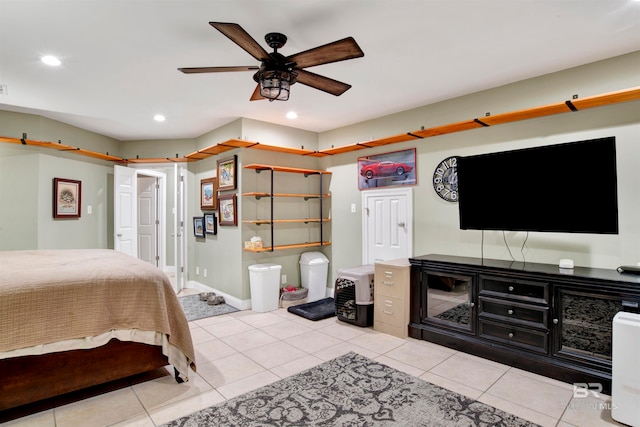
26, 174
436, 226
26, 218
20, 198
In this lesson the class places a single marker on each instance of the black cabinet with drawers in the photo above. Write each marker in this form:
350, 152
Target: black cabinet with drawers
538, 317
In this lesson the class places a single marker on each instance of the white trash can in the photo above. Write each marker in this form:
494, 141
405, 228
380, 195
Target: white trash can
264, 281
313, 274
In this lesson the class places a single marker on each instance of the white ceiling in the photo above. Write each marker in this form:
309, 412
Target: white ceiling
120, 57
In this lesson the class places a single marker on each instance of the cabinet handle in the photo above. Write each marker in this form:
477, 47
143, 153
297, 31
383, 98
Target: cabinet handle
510, 288
555, 321
387, 283
387, 312
511, 334
510, 311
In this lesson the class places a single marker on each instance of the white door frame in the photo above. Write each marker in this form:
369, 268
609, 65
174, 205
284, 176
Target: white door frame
179, 225
406, 191
162, 178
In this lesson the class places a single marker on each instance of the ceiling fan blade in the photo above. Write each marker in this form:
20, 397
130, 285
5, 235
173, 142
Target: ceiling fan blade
340, 50
255, 96
194, 70
240, 37
322, 83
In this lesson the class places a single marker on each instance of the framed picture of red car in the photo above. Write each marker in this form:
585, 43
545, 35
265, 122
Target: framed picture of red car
389, 169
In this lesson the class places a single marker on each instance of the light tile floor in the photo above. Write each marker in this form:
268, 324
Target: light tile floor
242, 351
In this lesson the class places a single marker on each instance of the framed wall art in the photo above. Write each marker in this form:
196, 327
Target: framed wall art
67, 194
209, 194
198, 226
227, 174
227, 210
386, 170
210, 224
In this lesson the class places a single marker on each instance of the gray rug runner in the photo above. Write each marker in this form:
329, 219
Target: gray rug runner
195, 309
351, 390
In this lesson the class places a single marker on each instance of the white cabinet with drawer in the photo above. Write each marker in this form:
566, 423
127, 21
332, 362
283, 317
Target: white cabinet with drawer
391, 297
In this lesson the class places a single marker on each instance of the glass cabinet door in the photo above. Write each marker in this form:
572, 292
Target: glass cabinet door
449, 300
584, 324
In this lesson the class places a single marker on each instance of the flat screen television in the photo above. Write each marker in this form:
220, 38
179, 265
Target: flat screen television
568, 188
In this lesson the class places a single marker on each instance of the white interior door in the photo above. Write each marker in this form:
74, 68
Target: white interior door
387, 224
148, 222
125, 222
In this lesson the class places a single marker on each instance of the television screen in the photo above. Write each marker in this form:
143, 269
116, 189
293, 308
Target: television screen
569, 187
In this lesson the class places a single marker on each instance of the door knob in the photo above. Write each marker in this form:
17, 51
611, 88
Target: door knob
401, 224
119, 235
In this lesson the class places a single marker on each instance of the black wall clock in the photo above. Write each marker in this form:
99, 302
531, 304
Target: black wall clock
445, 179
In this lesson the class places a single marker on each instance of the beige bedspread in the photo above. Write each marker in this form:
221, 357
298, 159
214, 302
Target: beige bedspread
48, 296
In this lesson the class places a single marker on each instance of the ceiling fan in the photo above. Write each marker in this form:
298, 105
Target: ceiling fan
277, 72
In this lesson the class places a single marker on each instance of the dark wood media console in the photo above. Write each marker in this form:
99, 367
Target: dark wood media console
537, 317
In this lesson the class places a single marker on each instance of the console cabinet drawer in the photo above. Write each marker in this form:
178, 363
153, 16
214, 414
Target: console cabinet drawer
511, 311
517, 289
509, 334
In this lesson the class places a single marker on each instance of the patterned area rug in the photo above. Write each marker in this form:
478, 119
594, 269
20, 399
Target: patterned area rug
351, 390
195, 309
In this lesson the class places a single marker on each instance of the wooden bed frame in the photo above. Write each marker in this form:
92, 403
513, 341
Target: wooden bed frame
30, 379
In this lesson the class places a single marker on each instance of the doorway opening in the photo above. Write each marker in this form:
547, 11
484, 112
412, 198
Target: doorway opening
149, 217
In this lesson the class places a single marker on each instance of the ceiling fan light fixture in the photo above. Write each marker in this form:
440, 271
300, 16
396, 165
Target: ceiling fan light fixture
275, 85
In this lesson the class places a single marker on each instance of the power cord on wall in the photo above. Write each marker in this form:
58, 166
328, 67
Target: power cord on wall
504, 237
524, 243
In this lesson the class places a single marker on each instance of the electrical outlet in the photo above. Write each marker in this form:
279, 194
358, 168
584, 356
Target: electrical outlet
204, 272
284, 279
197, 271
353, 208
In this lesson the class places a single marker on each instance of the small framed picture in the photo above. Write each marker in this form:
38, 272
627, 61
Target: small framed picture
227, 210
227, 174
198, 226
66, 198
210, 224
208, 194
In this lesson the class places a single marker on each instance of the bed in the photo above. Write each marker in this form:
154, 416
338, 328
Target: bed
71, 319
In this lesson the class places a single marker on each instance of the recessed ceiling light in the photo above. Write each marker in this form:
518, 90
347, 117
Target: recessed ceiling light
51, 60
159, 118
292, 115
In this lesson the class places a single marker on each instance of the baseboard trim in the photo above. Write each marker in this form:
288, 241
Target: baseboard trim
231, 300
